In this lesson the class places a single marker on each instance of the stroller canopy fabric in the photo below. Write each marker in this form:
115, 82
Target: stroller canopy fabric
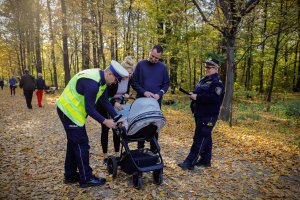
144, 111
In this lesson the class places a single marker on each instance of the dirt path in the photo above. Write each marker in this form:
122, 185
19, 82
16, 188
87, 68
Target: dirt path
32, 151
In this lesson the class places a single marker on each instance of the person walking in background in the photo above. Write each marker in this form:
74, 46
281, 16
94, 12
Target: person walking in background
76, 102
117, 93
40, 86
206, 99
1, 83
27, 82
12, 85
151, 79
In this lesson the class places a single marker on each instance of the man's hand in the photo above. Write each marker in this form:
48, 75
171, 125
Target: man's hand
193, 96
148, 94
156, 96
118, 106
110, 123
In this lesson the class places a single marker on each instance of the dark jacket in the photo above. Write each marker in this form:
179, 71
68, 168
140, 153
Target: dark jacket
27, 82
40, 84
210, 93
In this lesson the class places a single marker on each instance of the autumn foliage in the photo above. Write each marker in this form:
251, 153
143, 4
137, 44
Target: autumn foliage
255, 159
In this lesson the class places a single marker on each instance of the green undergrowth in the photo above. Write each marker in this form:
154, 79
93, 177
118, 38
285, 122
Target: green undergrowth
282, 115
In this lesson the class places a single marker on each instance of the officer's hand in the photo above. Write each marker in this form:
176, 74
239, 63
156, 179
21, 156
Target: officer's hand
110, 123
118, 106
193, 96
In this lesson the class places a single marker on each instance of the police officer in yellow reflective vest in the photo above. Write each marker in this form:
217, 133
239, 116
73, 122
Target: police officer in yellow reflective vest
73, 106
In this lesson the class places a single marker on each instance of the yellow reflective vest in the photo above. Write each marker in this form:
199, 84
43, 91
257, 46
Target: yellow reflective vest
71, 103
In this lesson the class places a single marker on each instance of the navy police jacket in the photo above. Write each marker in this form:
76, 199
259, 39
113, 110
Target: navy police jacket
210, 93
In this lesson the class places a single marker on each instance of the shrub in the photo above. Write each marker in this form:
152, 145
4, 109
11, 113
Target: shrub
293, 109
245, 94
250, 107
252, 116
287, 109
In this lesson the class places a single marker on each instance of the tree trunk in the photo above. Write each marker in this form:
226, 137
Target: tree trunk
226, 108
37, 39
112, 34
285, 69
275, 56
137, 36
223, 68
85, 37
94, 37
250, 57
116, 46
52, 45
100, 33
128, 34
297, 87
173, 70
195, 71
295, 67
65, 42
262, 62
94, 49
297, 81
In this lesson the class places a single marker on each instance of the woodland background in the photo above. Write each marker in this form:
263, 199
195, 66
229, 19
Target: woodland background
258, 41
256, 156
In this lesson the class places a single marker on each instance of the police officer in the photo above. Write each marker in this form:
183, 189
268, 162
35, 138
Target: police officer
206, 101
73, 106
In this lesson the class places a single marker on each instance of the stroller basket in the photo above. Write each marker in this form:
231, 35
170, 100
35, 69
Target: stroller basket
142, 158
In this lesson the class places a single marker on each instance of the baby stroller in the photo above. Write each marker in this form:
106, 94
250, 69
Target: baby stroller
144, 120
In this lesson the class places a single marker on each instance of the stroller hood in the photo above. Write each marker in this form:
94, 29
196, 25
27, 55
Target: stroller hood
144, 111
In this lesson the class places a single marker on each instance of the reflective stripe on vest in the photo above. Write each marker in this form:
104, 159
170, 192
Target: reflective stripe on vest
71, 103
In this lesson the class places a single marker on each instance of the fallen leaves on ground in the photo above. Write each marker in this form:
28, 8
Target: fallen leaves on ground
250, 161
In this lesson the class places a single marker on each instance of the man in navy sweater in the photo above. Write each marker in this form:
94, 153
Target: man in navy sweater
151, 79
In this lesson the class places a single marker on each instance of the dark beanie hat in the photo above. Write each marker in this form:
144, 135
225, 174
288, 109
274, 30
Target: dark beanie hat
213, 61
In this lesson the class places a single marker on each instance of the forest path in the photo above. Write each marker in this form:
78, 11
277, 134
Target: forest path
246, 163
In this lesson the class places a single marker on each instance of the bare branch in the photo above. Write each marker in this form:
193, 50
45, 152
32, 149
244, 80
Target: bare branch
205, 19
249, 6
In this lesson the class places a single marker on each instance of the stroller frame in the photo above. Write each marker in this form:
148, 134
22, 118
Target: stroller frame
137, 161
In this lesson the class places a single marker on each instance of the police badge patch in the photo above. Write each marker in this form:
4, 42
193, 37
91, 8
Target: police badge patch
218, 90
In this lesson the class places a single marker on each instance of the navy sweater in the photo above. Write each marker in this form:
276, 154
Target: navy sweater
89, 88
151, 77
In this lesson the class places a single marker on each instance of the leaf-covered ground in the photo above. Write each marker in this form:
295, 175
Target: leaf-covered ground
252, 160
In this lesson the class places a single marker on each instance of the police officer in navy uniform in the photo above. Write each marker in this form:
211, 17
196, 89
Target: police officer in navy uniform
206, 101
73, 106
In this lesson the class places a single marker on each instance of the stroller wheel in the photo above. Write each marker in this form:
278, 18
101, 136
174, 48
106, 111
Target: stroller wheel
158, 176
137, 181
112, 166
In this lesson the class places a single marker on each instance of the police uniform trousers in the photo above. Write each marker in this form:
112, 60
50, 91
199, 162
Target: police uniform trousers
201, 150
77, 156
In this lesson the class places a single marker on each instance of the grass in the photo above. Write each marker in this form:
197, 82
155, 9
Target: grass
282, 120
